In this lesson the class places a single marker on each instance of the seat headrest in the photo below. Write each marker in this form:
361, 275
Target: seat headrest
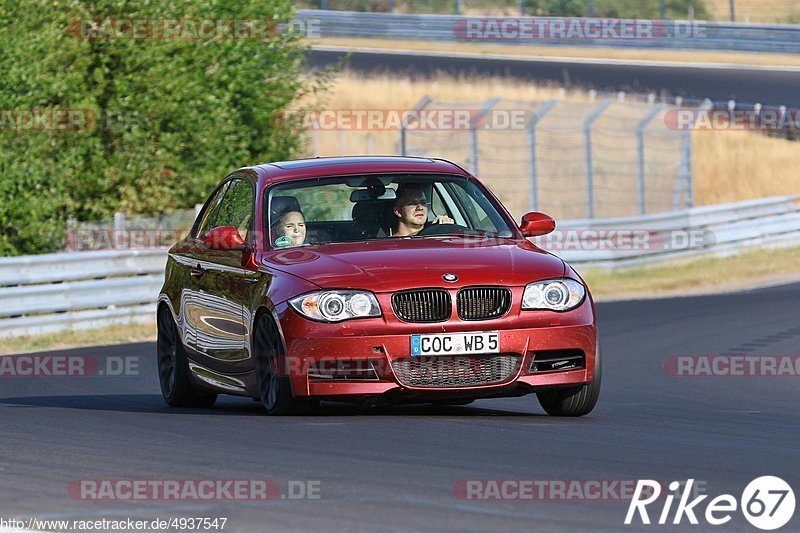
283, 204
368, 211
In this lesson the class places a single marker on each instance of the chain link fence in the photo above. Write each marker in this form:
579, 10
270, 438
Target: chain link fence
597, 159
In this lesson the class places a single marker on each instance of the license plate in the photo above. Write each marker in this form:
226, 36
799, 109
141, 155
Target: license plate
455, 343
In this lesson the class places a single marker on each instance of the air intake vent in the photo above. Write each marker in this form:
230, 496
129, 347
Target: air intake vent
425, 305
557, 360
464, 371
483, 303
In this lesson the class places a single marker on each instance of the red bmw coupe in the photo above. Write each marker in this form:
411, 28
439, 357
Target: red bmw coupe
373, 280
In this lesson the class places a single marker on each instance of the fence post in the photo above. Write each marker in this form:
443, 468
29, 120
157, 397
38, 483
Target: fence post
591, 8
119, 221
315, 141
407, 119
587, 139
684, 180
534, 122
473, 134
640, 127
687, 141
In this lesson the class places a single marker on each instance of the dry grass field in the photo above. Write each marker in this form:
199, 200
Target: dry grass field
756, 10
728, 165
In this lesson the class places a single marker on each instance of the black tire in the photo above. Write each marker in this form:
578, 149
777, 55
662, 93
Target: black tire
573, 401
274, 384
173, 369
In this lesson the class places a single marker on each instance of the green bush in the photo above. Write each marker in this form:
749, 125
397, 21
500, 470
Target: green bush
173, 116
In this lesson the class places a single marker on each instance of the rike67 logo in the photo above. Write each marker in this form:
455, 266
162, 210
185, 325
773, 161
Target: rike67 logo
767, 503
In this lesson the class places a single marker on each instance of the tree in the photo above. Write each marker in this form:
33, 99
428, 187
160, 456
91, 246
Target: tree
143, 122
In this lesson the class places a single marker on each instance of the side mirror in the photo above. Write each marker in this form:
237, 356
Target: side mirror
224, 238
535, 224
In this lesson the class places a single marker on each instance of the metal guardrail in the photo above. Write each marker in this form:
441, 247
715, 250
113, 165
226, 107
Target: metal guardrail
83, 290
716, 230
80, 290
696, 35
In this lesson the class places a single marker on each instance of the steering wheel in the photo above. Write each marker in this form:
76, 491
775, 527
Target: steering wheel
442, 229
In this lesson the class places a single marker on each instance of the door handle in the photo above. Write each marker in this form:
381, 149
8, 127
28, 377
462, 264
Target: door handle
197, 271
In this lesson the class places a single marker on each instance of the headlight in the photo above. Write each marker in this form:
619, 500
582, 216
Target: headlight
553, 294
335, 306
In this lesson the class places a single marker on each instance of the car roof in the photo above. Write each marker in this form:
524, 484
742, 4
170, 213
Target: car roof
337, 166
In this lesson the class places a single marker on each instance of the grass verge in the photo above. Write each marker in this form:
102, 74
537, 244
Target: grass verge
706, 275
120, 334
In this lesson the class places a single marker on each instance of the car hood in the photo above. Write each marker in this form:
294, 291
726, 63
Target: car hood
390, 265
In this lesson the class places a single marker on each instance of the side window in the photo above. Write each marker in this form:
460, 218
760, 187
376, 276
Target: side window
203, 224
442, 203
236, 208
476, 213
437, 204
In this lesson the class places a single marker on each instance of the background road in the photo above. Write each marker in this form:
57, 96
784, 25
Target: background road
394, 469
748, 85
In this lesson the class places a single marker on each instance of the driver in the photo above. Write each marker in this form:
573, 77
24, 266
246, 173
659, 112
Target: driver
411, 210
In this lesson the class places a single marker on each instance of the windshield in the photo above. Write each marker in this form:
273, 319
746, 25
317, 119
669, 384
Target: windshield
364, 208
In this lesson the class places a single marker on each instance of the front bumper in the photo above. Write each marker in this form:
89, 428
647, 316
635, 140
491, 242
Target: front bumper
336, 361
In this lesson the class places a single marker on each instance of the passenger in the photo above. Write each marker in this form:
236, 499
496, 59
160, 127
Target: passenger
290, 225
411, 210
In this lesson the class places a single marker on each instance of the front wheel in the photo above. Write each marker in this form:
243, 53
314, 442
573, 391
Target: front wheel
274, 384
573, 401
173, 368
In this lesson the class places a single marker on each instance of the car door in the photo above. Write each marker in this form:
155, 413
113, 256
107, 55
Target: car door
223, 285
183, 263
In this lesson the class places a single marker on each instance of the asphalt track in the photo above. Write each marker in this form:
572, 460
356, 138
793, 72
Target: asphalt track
394, 469
768, 86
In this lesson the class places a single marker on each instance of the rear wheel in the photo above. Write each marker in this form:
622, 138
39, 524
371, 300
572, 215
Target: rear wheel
274, 384
573, 401
173, 368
